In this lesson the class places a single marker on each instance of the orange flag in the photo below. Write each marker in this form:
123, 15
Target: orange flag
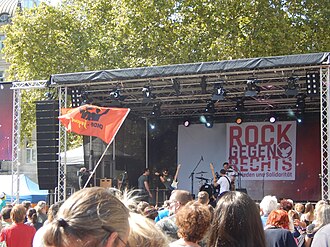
92, 120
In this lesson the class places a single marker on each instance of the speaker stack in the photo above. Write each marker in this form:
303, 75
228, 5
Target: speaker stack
47, 113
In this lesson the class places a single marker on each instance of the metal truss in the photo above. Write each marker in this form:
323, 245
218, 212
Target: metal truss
61, 189
325, 130
16, 133
16, 145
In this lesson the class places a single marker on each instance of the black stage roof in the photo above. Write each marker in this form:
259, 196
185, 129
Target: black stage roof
183, 90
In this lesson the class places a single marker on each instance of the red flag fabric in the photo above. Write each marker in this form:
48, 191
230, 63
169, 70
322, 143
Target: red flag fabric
93, 120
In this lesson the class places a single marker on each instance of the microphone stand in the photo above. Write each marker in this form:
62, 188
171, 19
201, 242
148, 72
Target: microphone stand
192, 175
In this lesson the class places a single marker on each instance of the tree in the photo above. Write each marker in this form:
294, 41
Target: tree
85, 35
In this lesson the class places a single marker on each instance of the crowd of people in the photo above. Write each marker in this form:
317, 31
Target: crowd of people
96, 216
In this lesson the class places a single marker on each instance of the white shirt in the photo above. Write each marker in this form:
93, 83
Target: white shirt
224, 183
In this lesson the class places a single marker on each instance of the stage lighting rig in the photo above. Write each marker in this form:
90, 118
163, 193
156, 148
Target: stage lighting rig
218, 92
292, 87
252, 89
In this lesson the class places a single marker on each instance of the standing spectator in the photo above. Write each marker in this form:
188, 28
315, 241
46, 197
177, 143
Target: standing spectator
41, 209
193, 222
308, 215
236, 222
145, 233
90, 217
18, 234
322, 237
32, 219
277, 230
178, 199
51, 214
5, 217
143, 185
2, 200
267, 204
299, 207
322, 218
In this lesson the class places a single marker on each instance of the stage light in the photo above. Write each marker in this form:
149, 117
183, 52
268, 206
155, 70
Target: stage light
75, 97
202, 119
147, 94
176, 86
210, 108
156, 110
218, 92
152, 124
292, 88
300, 117
272, 118
203, 85
251, 88
240, 105
209, 121
186, 123
239, 120
115, 94
313, 83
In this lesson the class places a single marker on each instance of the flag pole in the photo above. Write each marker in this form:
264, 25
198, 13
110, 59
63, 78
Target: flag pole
99, 161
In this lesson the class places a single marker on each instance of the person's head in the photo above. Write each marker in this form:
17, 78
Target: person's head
222, 172
178, 199
268, 204
53, 210
236, 222
32, 215
286, 205
146, 172
193, 221
2, 196
41, 207
83, 169
90, 217
322, 213
5, 213
145, 233
225, 166
299, 207
141, 206
150, 212
26, 204
309, 208
165, 172
278, 218
17, 213
203, 197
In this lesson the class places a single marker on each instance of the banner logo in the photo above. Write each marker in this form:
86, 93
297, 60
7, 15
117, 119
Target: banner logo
262, 150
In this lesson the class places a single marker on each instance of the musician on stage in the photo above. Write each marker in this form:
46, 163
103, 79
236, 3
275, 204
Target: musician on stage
166, 180
231, 173
83, 175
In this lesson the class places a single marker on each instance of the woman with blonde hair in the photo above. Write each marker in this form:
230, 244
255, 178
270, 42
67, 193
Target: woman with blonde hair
91, 217
145, 233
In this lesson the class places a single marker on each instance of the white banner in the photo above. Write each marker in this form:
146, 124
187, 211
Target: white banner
263, 151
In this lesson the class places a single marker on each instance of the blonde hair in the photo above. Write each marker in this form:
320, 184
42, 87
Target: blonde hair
145, 233
88, 218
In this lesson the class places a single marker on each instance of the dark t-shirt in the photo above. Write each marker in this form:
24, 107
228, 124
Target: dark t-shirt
141, 181
278, 237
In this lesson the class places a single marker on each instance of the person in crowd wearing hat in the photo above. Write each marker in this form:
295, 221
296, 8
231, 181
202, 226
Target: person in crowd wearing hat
2, 200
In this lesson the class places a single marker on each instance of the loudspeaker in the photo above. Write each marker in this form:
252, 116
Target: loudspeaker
47, 113
242, 190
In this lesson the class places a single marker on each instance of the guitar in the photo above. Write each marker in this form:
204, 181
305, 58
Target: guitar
175, 182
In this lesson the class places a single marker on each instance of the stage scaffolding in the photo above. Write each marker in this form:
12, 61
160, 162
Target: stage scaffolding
62, 91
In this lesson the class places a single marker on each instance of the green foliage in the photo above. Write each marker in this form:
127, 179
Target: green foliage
85, 35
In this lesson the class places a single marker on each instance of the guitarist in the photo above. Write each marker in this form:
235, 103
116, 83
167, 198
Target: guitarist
166, 180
